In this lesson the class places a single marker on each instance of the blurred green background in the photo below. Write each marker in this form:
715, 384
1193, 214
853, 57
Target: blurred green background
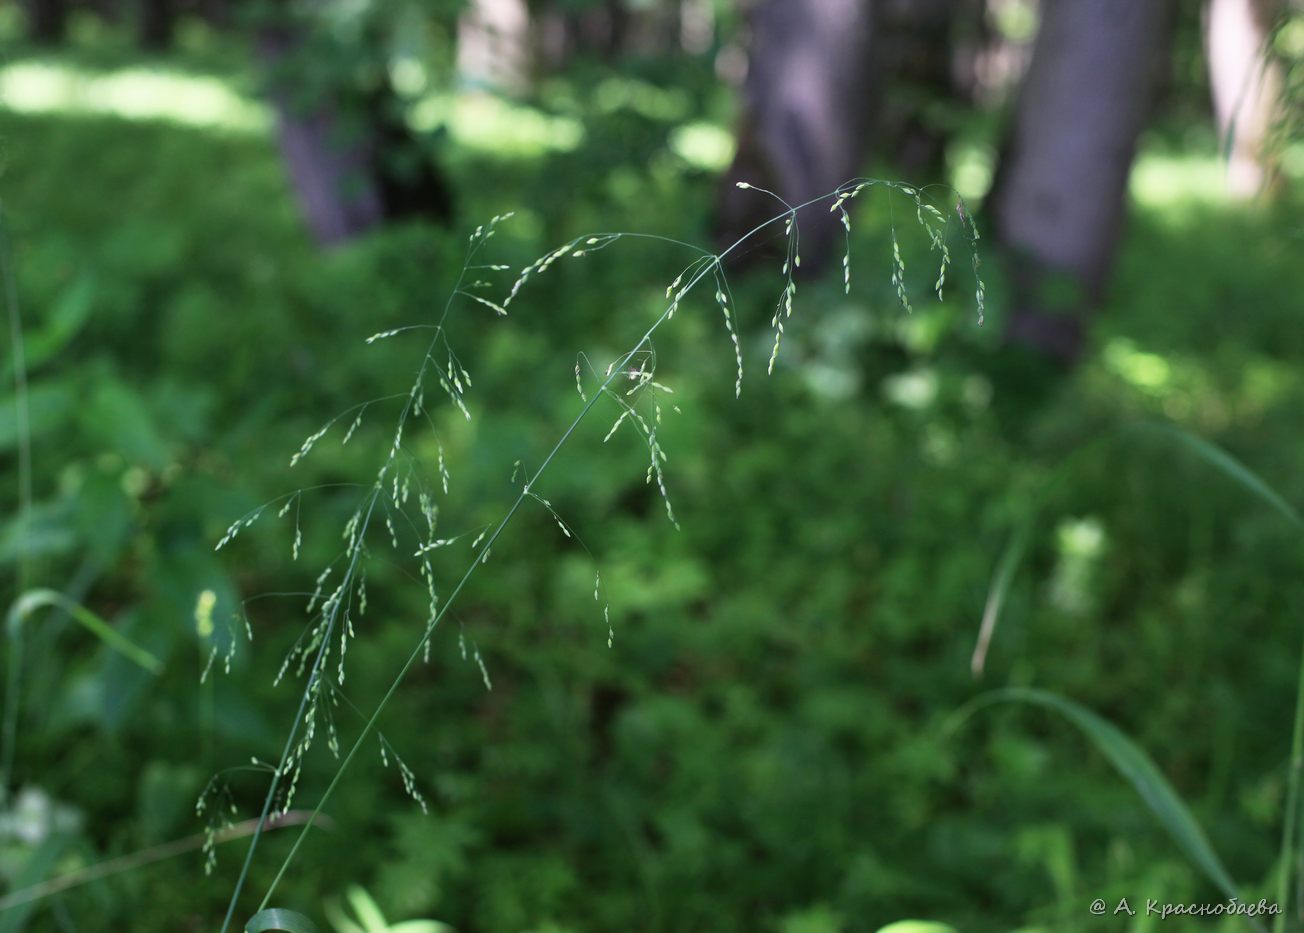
770, 743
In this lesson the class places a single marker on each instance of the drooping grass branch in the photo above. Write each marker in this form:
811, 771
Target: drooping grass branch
627, 380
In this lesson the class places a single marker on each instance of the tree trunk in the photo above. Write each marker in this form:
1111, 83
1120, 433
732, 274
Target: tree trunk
47, 21
331, 173
805, 114
352, 159
1059, 195
493, 45
1246, 88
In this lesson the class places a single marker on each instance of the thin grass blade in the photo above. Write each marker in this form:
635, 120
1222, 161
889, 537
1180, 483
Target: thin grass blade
1137, 769
277, 918
1225, 463
1011, 557
31, 601
1209, 453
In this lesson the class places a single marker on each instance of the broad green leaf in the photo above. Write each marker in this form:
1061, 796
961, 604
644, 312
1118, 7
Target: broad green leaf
50, 405
370, 919
368, 911
118, 417
65, 320
46, 530
917, 926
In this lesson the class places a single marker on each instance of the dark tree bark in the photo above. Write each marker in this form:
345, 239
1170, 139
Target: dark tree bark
156, 23
47, 21
411, 186
1059, 196
330, 172
806, 110
353, 161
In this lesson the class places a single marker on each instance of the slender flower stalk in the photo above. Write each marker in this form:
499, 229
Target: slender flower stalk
625, 381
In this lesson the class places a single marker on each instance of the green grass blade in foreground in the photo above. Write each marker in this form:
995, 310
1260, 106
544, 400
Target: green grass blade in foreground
1225, 463
1012, 557
29, 893
1136, 767
1250, 481
33, 600
21, 610
30, 870
275, 918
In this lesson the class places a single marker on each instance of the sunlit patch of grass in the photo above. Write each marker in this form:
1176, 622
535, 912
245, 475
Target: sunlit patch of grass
703, 145
1166, 180
1148, 372
1191, 390
496, 125
135, 93
972, 166
477, 121
670, 105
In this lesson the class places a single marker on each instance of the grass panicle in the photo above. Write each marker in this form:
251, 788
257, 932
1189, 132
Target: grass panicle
629, 383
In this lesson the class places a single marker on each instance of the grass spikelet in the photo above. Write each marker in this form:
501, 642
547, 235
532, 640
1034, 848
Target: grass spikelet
899, 274
310, 442
237, 526
618, 422
484, 671
384, 334
565, 529
492, 305
443, 468
357, 422
405, 774
579, 385
455, 396
722, 299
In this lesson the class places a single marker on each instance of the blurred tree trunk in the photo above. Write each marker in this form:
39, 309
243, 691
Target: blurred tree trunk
156, 23
1060, 190
806, 110
47, 21
564, 31
329, 169
1246, 87
493, 44
353, 161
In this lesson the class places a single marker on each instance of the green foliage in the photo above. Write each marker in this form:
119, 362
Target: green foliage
764, 745
1136, 767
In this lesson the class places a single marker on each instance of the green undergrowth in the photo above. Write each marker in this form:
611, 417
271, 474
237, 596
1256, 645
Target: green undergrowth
765, 742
